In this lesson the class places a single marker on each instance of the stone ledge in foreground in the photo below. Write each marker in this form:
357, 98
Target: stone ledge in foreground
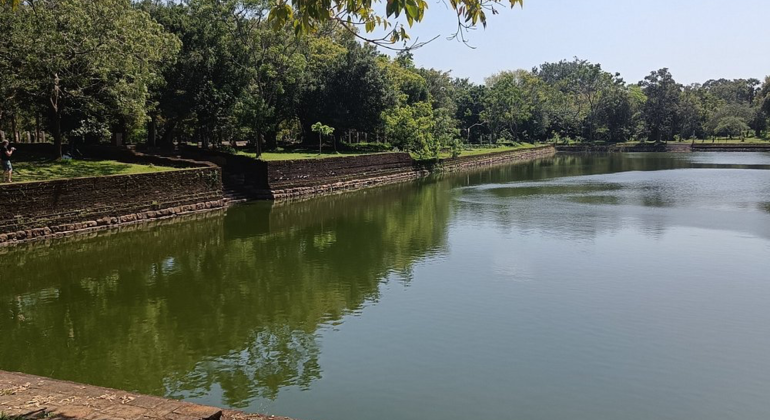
33, 397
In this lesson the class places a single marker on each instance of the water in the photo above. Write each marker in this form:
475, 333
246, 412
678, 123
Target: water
623, 287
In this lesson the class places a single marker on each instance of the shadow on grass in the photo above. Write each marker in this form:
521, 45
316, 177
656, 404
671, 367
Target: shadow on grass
47, 169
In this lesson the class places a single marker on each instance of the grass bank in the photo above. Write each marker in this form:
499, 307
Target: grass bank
489, 149
46, 170
278, 156
751, 140
485, 150
312, 155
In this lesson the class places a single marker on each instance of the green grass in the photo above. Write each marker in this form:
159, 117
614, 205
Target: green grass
45, 170
275, 156
278, 156
487, 150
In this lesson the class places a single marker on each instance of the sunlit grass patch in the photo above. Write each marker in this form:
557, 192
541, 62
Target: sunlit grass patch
45, 170
485, 150
277, 156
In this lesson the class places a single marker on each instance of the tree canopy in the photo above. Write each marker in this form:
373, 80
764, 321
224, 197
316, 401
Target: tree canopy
307, 16
166, 73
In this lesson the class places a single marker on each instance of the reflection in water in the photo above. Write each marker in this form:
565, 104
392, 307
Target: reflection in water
232, 301
233, 309
566, 196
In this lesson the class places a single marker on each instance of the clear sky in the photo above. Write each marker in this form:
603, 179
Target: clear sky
697, 39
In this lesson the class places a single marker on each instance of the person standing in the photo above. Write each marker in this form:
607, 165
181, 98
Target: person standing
6, 151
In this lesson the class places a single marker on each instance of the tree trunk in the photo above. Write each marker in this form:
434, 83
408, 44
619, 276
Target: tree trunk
271, 140
258, 144
205, 138
152, 131
119, 133
307, 135
167, 141
54, 110
37, 128
15, 129
55, 123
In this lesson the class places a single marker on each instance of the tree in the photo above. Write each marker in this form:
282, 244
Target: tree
76, 58
469, 101
661, 110
277, 63
731, 126
211, 72
345, 86
736, 111
764, 96
411, 128
758, 119
762, 103
742, 91
322, 130
440, 87
307, 16
615, 113
409, 86
581, 99
513, 106
691, 114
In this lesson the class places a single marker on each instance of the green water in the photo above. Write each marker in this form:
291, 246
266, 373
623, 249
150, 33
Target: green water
625, 287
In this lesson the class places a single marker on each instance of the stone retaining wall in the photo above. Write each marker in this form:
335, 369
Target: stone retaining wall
290, 179
734, 147
302, 178
612, 148
302, 173
242, 172
35, 210
467, 162
338, 185
665, 147
296, 179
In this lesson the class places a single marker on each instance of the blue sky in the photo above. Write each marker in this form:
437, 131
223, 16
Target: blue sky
697, 40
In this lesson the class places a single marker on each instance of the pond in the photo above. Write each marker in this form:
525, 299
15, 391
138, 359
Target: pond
629, 286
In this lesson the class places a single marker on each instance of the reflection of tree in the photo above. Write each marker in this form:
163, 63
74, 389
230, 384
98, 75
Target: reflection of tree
233, 301
275, 358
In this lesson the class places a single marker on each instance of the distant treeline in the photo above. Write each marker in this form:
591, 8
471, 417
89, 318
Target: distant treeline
212, 71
